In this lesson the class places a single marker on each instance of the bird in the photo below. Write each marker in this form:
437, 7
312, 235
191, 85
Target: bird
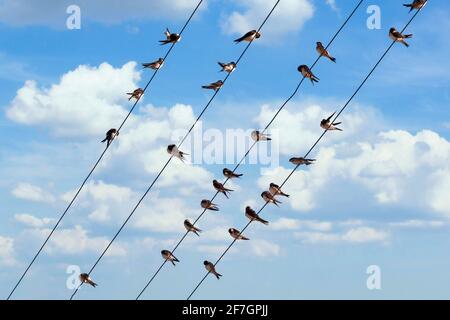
191, 228
84, 278
323, 52
206, 204
155, 65
276, 190
173, 151
236, 234
227, 67
307, 73
214, 86
300, 161
253, 216
328, 125
170, 37
137, 94
210, 267
230, 174
268, 197
399, 37
249, 36
416, 4
110, 136
220, 188
168, 256
258, 136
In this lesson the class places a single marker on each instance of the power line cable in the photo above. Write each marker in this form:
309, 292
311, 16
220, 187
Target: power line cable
254, 143
170, 158
311, 149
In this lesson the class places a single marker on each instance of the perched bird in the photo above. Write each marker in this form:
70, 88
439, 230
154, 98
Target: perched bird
84, 278
155, 65
137, 94
191, 228
170, 37
110, 136
276, 190
167, 255
300, 161
323, 52
258, 136
210, 267
253, 216
328, 125
236, 234
214, 86
230, 174
307, 73
416, 4
227, 67
206, 204
173, 151
220, 188
268, 197
249, 36
397, 36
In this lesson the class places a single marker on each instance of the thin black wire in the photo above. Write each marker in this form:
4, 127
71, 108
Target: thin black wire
179, 145
255, 142
100, 158
310, 150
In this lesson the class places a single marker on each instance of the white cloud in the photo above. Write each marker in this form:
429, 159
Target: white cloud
7, 251
332, 4
53, 13
356, 235
294, 224
32, 221
87, 101
289, 17
264, 248
30, 192
418, 224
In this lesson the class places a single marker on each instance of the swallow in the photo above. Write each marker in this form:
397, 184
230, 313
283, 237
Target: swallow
230, 174
416, 4
220, 188
249, 36
323, 52
110, 136
84, 278
168, 256
268, 197
173, 151
210, 267
236, 234
206, 204
307, 73
299, 161
227, 67
191, 228
137, 94
155, 65
253, 216
328, 125
258, 136
276, 190
397, 36
170, 37
214, 86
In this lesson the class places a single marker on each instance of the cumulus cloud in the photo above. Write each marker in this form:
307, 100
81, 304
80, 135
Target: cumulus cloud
357, 235
87, 101
418, 224
288, 17
7, 251
30, 192
53, 13
294, 224
32, 221
264, 248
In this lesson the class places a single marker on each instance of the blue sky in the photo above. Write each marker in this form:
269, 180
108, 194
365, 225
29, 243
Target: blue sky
378, 194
